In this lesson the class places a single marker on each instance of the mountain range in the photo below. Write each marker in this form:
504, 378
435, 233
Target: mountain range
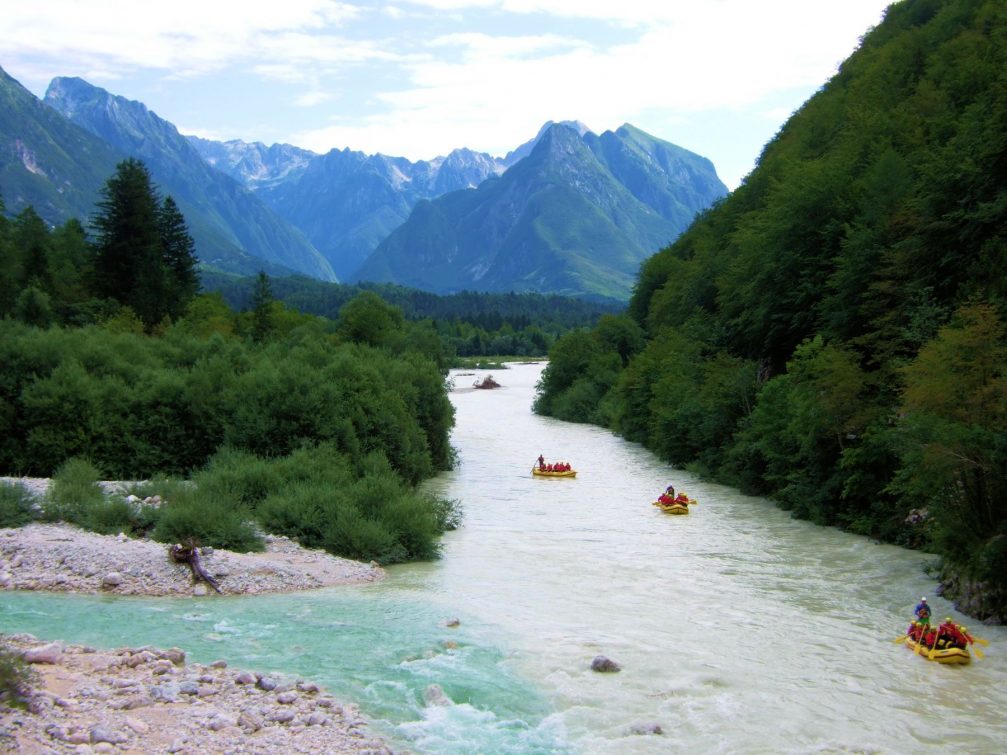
568, 211
576, 216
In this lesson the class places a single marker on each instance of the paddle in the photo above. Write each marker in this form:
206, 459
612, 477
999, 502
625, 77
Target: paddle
937, 634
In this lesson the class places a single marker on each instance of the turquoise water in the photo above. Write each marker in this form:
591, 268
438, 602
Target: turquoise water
363, 644
739, 630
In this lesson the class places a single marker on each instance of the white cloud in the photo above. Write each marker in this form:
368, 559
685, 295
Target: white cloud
690, 58
420, 77
312, 98
181, 35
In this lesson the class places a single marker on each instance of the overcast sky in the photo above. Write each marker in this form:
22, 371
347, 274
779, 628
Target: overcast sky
418, 78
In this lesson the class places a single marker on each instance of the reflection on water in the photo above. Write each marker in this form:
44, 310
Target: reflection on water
737, 628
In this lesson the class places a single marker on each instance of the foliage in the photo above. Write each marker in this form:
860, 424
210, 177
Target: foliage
16, 678
207, 519
954, 435
74, 490
262, 306
144, 255
17, 505
468, 324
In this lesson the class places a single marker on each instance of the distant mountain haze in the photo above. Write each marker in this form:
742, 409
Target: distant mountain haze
346, 202
222, 213
576, 216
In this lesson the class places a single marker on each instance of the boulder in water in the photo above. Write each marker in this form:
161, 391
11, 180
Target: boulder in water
604, 665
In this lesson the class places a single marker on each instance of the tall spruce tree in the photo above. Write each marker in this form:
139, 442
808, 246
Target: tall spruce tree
144, 257
179, 254
262, 308
129, 264
32, 237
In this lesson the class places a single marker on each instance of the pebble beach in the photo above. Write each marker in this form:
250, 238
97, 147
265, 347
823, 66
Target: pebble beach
150, 700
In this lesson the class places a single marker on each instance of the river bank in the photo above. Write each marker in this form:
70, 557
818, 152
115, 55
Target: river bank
63, 558
147, 700
143, 700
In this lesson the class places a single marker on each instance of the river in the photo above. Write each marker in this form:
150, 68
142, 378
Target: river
738, 629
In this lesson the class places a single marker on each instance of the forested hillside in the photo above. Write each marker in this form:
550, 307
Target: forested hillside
469, 323
833, 333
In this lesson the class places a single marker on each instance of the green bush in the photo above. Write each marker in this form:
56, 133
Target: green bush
115, 515
302, 510
354, 536
17, 505
197, 515
16, 678
74, 491
238, 477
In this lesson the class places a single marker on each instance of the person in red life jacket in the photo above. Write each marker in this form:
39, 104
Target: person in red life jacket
548, 468
683, 499
953, 634
929, 636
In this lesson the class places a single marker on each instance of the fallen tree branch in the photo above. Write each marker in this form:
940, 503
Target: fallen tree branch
189, 554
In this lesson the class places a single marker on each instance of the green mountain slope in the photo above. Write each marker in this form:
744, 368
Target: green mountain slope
222, 214
557, 221
45, 160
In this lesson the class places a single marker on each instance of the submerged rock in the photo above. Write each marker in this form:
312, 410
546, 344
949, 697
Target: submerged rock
604, 665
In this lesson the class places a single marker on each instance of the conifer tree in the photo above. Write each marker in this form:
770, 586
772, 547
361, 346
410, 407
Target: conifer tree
32, 237
179, 257
262, 308
129, 265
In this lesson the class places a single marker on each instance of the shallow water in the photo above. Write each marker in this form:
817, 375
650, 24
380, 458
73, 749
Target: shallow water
738, 629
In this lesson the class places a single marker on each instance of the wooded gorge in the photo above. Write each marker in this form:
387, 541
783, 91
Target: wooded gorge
832, 334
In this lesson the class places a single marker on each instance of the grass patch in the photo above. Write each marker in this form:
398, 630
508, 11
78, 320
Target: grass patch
17, 505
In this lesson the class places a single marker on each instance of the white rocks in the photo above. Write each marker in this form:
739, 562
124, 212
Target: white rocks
99, 690
50, 653
62, 558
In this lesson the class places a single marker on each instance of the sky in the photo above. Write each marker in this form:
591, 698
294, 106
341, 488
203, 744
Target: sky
418, 78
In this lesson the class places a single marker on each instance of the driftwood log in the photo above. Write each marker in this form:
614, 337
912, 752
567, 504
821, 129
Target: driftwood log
189, 554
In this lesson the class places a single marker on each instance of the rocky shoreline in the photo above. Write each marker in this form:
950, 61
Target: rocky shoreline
62, 558
146, 700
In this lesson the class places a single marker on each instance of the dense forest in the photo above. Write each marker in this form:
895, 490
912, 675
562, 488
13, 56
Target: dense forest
469, 323
112, 366
833, 333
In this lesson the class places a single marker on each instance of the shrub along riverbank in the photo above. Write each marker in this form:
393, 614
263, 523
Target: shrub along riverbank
311, 435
